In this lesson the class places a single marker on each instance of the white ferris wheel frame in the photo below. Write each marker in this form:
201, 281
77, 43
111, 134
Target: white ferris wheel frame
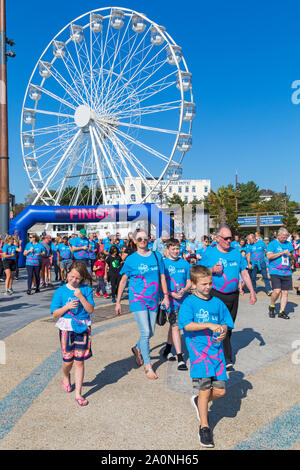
94, 137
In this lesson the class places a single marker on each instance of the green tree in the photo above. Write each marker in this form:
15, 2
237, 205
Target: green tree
221, 204
289, 220
248, 194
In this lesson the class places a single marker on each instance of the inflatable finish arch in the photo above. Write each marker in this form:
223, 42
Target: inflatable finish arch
88, 214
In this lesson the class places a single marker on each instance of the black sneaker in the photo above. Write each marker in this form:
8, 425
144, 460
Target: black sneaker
205, 437
283, 315
29, 292
182, 365
272, 312
168, 355
194, 402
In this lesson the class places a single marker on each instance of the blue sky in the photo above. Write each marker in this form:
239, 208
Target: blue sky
244, 57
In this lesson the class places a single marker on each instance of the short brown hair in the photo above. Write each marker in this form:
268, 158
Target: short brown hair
173, 242
196, 272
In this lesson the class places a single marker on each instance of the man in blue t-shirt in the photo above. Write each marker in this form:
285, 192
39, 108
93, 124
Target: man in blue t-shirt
279, 253
80, 248
256, 250
226, 265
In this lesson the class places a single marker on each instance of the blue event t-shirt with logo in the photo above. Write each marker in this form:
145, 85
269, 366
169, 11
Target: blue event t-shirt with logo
206, 358
233, 263
280, 266
257, 252
78, 242
64, 295
143, 273
34, 257
177, 272
92, 247
9, 250
64, 251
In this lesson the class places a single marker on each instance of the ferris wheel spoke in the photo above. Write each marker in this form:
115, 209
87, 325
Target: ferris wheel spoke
57, 98
148, 149
157, 108
68, 172
50, 113
118, 169
128, 60
141, 95
127, 155
98, 139
81, 63
96, 159
139, 69
46, 185
52, 129
49, 163
147, 128
66, 86
46, 146
117, 51
119, 151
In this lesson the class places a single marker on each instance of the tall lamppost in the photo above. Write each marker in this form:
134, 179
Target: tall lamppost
4, 169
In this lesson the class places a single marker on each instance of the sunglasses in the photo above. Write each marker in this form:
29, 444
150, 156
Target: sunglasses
226, 238
140, 239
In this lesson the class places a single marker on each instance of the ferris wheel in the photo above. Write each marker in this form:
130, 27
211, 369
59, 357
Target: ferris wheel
109, 103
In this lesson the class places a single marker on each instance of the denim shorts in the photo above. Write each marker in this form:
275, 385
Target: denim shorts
206, 383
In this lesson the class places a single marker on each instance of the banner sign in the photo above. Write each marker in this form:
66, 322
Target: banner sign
264, 220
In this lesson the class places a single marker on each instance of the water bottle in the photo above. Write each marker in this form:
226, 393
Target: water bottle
215, 337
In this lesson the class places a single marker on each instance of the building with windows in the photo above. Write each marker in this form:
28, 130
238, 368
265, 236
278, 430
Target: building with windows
188, 190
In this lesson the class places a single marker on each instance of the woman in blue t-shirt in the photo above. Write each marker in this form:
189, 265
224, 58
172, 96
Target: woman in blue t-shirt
9, 258
33, 251
145, 271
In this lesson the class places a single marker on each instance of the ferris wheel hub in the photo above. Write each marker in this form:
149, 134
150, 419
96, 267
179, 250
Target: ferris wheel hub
83, 115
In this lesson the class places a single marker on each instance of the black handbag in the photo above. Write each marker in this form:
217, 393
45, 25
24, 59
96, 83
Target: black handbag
161, 317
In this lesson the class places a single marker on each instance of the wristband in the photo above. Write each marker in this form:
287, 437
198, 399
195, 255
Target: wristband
166, 294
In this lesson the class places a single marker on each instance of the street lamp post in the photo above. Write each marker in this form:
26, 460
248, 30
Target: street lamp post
4, 169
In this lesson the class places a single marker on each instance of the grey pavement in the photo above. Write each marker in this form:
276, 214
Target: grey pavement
261, 409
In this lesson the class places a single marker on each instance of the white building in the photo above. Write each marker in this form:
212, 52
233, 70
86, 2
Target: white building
188, 190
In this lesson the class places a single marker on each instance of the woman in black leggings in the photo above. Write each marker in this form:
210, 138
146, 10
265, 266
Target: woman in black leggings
33, 252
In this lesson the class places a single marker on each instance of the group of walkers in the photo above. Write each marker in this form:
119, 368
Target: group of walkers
197, 283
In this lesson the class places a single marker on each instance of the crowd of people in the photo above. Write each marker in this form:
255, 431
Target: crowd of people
198, 283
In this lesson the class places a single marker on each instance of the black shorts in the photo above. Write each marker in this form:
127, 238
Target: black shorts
9, 264
281, 282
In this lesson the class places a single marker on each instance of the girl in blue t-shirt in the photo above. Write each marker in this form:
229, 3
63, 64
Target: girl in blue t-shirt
72, 304
145, 271
9, 260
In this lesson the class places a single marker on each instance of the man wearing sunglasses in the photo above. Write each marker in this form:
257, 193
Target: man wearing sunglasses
226, 264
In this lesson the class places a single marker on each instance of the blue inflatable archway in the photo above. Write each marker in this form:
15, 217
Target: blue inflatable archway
88, 214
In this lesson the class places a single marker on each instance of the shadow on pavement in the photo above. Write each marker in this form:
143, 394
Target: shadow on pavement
230, 404
111, 374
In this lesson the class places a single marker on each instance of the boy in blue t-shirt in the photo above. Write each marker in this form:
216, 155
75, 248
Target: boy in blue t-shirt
177, 273
205, 321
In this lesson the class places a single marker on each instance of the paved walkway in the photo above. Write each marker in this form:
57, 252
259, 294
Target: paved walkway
261, 409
